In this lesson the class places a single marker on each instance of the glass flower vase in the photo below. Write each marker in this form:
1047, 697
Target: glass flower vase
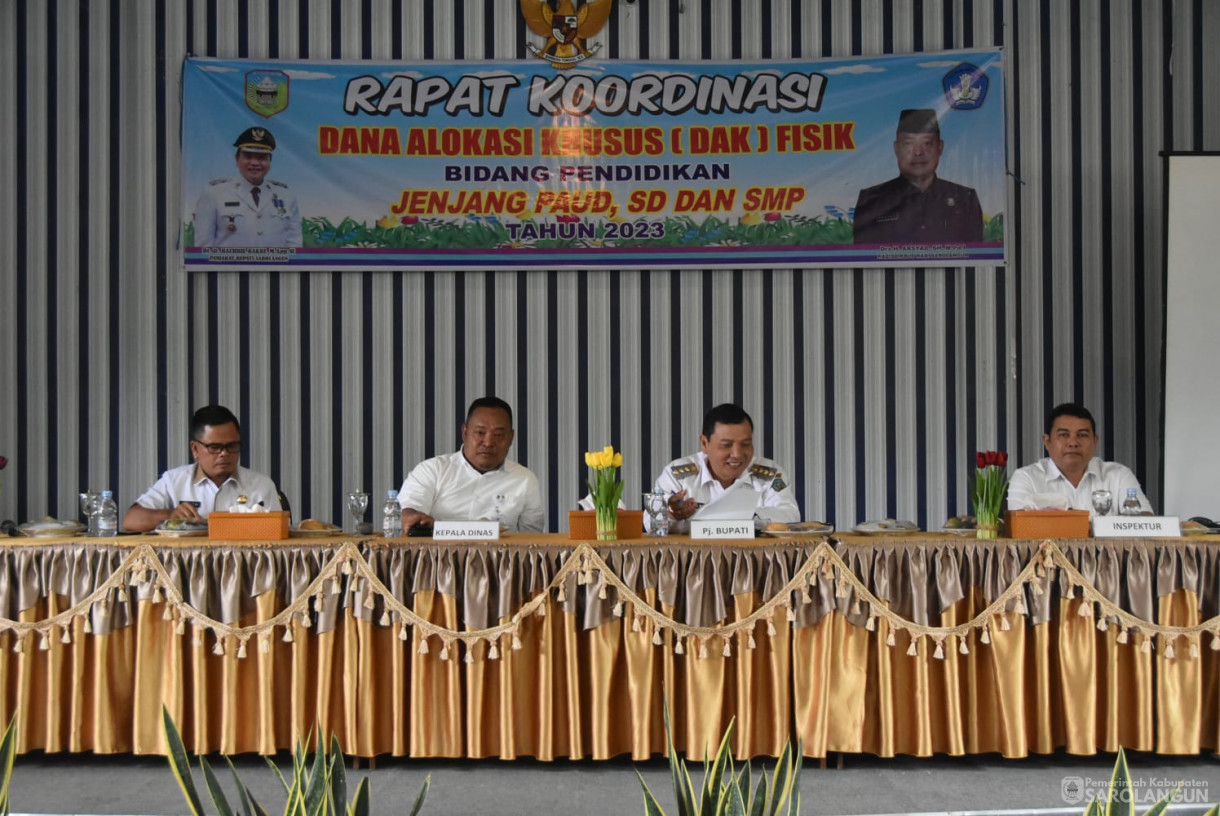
987, 525
607, 523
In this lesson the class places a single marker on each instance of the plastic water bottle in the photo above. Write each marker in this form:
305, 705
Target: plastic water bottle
94, 510
391, 516
107, 516
1131, 504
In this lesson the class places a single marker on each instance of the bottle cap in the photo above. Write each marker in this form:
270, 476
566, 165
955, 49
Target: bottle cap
391, 494
107, 494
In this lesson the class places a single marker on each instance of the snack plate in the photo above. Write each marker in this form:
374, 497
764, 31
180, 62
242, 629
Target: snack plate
964, 532
326, 532
170, 532
806, 533
891, 528
44, 529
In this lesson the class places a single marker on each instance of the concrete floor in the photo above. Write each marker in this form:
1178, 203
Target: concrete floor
85, 784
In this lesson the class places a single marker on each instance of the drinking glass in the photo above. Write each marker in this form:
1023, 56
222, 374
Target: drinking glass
1102, 502
88, 504
357, 503
657, 508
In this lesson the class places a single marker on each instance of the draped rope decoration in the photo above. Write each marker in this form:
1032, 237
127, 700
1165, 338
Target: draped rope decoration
586, 567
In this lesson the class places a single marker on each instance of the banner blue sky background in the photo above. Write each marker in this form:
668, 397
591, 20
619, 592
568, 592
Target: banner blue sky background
868, 92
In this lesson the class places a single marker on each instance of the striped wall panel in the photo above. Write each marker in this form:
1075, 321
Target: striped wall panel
873, 386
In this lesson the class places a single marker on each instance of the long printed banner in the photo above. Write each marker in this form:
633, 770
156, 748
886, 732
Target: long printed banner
889, 161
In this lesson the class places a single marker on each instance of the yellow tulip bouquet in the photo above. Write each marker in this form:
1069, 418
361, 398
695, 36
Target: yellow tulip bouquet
605, 488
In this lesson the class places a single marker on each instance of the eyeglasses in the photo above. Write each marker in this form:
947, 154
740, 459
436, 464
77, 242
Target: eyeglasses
216, 448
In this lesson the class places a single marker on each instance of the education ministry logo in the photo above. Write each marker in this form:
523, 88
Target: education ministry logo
565, 28
965, 86
266, 92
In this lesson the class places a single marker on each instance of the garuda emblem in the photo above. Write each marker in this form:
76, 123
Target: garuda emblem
565, 28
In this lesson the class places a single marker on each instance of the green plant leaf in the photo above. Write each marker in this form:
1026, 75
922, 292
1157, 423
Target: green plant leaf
423, 794
255, 807
278, 773
214, 790
684, 789
316, 787
8, 753
713, 777
338, 776
362, 804
794, 796
781, 783
334, 805
294, 804
733, 803
1120, 780
299, 758
743, 782
1162, 804
179, 763
651, 806
242, 791
758, 804
727, 788
691, 794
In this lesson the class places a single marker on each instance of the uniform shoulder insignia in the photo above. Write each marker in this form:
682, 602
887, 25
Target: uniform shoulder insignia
778, 484
275, 183
686, 469
218, 181
764, 471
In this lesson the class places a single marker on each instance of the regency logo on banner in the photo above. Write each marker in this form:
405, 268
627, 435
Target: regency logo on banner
885, 161
267, 92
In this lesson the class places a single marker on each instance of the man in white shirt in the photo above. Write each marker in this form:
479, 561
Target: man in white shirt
477, 482
1071, 471
215, 479
726, 457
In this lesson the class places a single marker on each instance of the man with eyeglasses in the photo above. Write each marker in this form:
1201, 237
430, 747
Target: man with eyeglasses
215, 479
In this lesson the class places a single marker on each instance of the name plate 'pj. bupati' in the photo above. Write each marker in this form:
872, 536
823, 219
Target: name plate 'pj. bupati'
465, 530
1136, 527
722, 528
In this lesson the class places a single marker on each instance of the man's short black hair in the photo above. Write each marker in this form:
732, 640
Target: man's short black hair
490, 402
214, 415
1071, 409
725, 414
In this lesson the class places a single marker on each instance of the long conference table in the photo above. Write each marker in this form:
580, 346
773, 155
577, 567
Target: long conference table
539, 646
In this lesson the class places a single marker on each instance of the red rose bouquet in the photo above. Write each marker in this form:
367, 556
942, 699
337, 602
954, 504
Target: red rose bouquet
990, 487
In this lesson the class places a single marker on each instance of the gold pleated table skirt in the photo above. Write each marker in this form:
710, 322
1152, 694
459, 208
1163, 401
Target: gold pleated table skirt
586, 673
